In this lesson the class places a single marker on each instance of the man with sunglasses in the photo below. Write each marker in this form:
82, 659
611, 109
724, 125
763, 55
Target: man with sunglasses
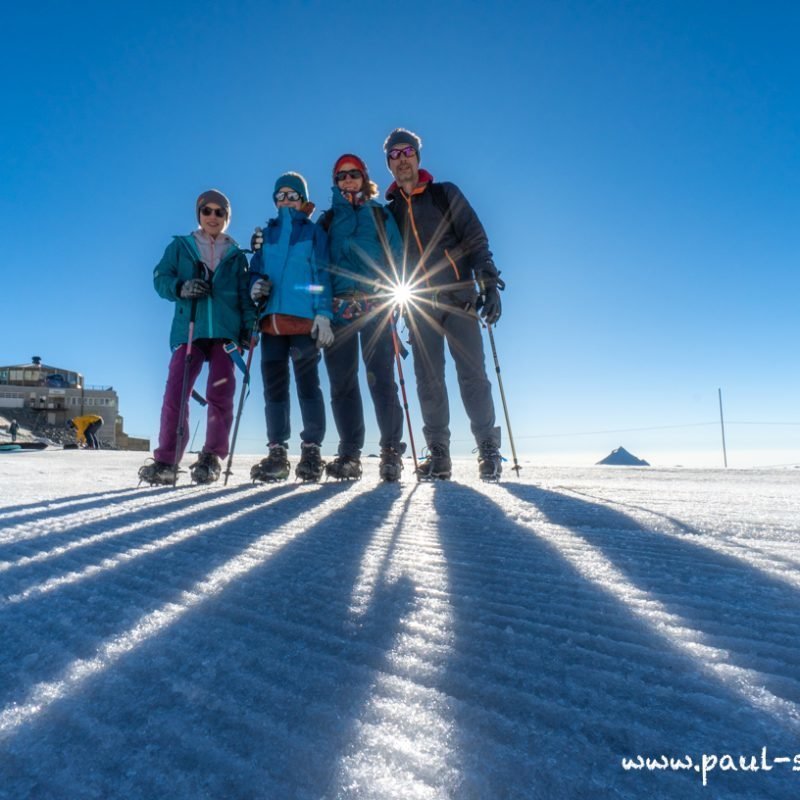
449, 267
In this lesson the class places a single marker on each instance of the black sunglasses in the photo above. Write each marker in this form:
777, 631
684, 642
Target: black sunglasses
290, 196
217, 212
355, 174
396, 152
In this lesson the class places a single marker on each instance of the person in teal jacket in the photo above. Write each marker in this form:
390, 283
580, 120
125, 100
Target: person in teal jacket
366, 250
206, 269
291, 284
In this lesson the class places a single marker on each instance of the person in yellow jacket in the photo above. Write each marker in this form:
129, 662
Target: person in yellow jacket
86, 428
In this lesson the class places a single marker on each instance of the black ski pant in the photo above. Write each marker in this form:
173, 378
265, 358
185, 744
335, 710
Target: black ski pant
460, 327
341, 359
276, 353
91, 435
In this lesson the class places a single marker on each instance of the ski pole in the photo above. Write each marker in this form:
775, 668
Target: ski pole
402, 380
516, 466
187, 361
191, 444
242, 394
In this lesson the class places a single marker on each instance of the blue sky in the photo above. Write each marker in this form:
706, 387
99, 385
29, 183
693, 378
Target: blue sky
636, 166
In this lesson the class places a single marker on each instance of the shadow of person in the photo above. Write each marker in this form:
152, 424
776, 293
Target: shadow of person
752, 617
553, 679
253, 692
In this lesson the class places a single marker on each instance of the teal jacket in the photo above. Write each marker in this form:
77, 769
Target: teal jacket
294, 257
227, 313
358, 260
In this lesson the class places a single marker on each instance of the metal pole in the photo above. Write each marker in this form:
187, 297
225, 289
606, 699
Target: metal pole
184, 407
516, 466
722, 426
245, 391
402, 381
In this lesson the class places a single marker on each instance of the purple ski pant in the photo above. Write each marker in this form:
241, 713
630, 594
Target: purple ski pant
219, 393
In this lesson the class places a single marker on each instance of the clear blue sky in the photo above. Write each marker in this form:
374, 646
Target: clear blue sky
636, 166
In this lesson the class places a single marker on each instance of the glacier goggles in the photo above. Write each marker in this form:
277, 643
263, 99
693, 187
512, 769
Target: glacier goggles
355, 174
292, 197
217, 212
396, 152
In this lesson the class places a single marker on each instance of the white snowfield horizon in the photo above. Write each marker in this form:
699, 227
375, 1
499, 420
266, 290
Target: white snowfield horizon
542, 637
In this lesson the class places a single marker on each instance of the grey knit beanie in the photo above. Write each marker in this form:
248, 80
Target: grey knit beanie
400, 135
214, 196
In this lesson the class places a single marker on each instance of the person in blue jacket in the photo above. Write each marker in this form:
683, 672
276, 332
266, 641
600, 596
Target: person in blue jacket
291, 284
365, 253
208, 270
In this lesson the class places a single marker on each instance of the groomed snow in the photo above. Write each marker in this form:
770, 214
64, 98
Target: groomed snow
455, 640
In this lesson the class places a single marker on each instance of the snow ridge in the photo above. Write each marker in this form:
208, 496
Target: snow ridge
454, 640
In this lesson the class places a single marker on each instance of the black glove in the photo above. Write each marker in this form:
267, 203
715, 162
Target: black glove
256, 240
194, 288
489, 305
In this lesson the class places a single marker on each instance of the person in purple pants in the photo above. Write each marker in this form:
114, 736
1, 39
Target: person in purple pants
206, 271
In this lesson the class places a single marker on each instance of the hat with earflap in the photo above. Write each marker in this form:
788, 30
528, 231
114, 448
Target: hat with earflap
214, 196
402, 136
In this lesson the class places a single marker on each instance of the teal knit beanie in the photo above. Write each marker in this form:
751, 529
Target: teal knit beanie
294, 180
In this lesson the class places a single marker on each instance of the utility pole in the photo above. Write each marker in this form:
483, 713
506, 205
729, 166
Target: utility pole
722, 426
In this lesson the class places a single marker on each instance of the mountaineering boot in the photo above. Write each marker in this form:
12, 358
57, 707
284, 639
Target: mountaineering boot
490, 462
275, 467
158, 473
437, 464
310, 466
206, 469
391, 464
344, 468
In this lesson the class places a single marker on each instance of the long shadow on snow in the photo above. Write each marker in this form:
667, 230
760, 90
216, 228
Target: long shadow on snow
43, 633
42, 509
79, 530
684, 527
252, 694
553, 680
753, 617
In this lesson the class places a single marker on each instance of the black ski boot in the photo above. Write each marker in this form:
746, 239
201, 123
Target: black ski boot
344, 468
206, 469
391, 464
437, 465
309, 468
158, 473
490, 462
275, 467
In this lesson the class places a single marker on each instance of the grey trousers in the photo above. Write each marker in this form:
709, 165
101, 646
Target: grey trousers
429, 329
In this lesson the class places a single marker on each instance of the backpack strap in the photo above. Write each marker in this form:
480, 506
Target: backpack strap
326, 220
442, 202
380, 226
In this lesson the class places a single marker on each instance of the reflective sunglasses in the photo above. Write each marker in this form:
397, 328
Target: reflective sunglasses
355, 174
217, 212
292, 197
396, 152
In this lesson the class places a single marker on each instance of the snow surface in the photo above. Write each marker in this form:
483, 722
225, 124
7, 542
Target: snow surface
455, 640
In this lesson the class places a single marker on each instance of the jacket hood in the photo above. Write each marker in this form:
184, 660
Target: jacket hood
424, 177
